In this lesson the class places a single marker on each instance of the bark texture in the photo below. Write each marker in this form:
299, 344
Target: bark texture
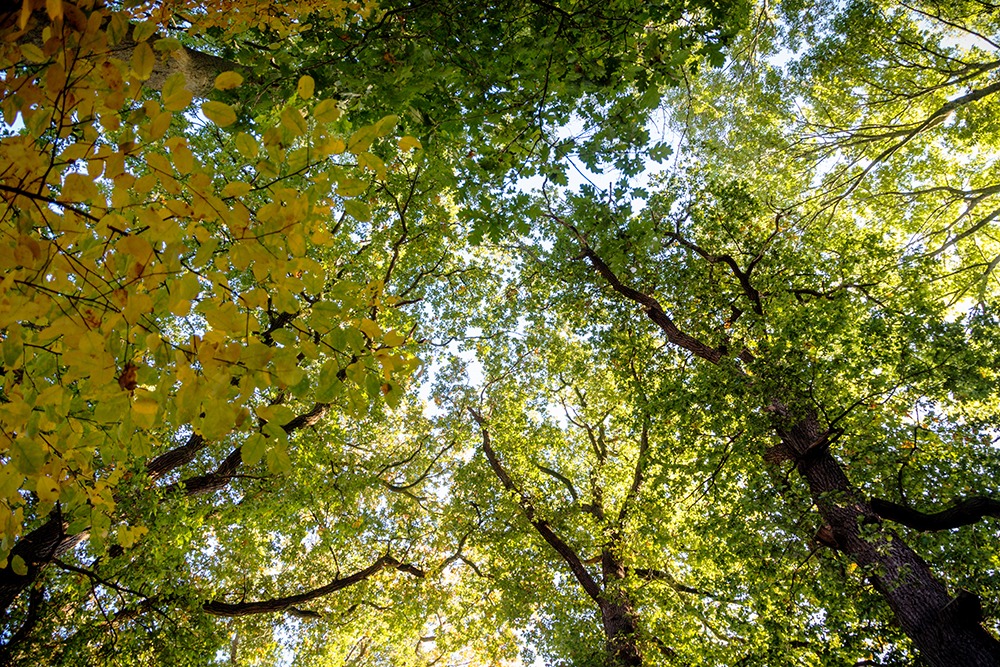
618, 615
946, 629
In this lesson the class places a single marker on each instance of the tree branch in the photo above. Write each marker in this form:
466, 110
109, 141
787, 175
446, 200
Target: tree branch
653, 309
544, 529
219, 608
559, 476
966, 512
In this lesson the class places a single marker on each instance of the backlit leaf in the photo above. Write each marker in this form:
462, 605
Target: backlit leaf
219, 113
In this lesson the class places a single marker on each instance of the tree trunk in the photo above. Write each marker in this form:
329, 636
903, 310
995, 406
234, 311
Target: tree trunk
37, 549
618, 616
946, 630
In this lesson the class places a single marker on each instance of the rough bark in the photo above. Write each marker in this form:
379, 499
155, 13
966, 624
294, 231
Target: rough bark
37, 549
618, 615
946, 630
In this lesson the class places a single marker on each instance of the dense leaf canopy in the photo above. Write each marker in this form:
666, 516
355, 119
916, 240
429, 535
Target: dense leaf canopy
447, 333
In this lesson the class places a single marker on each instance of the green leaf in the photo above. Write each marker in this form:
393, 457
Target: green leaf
18, 566
358, 210
253, 449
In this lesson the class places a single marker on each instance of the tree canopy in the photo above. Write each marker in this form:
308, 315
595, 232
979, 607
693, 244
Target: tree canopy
447, 333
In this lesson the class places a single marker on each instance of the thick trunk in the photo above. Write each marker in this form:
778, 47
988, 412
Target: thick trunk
37, 549
618, 616
947, 630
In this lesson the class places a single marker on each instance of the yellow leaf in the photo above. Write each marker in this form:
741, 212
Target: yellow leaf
17, 563
159, 162
253, 449
175, 96
370, 328
373, 163
335, 146
351, 187
384, 126
143, 31
362, 139
146, 406
409, 143
160, 123
128, 536
143, 61
246, 145
228, 80
183, 159
32, 52
292, 120
54, 8
137, 306
22, 21
117, 27
136, 247
393, 339
167, 44
306, 87
326, 111
236, 189
47, 490
287, 369
277, 459
219, 113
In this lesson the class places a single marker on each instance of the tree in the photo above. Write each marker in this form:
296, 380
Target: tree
813, 339
713, 420
205, 322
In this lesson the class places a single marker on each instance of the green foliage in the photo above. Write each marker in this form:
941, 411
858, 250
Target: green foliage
297, 369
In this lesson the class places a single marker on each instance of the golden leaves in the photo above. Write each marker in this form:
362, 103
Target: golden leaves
305, 87
175, 96
408, 143
143, 61
219, 113
228, 80
327, 111
163, 270
293, 121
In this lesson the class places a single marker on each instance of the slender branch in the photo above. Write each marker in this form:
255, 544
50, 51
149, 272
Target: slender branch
742, 276
637, 474
544, 529
654, 310
559, 476
661, 575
